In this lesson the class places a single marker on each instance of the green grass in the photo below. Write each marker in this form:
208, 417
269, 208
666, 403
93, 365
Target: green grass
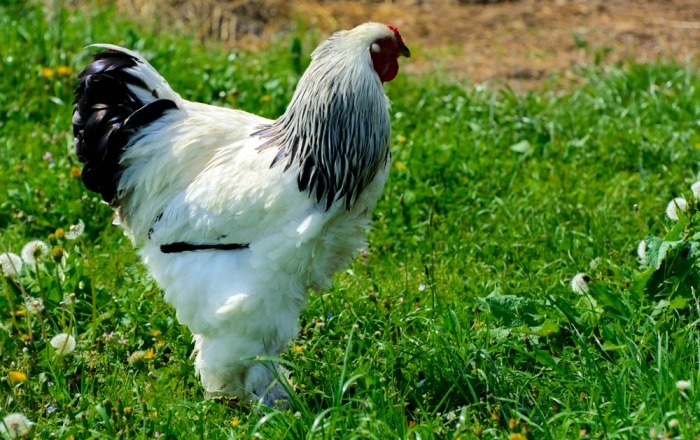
460, 322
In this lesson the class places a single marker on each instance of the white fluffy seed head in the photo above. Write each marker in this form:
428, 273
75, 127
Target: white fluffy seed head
10, 264
579, 283
676, 206
695, 187
75, 230
683, 385
15, 425
34, 305
642, 250
34, 251
63, 343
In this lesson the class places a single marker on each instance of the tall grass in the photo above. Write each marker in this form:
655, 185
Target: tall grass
459, 321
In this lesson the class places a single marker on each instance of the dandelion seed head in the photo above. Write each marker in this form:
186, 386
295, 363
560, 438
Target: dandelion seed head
10, 264
15, 425
675, 206
673, 423
75, 230
695, 187
642, 250
63, 343
34, 305
683, 385
579, 283
34, 251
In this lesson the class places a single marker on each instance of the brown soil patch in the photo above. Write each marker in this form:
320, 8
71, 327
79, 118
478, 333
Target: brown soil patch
513, 42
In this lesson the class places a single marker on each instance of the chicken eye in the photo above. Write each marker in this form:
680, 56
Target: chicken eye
375, 48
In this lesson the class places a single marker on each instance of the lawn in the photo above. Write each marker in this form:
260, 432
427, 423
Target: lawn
460, 320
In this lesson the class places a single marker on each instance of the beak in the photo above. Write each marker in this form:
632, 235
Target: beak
403, 50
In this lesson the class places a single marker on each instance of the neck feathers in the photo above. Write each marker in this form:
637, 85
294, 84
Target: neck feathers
335, 132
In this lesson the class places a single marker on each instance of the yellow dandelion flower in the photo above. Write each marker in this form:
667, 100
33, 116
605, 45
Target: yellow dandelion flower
155, 332
64, 70
400, 166
265, 98
20, 313
411, 424
154, 414
149, 354
401, 139
57, 253
70, 437
298, 348
234, 422
126, 410
512, 423
48, 72
159, 344
75, 172
59, 233
16, 376
516, 436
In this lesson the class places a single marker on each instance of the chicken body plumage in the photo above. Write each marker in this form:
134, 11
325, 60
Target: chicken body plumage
237, 216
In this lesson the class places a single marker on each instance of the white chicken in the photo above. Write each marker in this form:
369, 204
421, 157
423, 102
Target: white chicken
238, 216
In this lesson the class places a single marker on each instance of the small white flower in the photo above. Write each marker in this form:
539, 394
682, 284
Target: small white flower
63, 343
15, 425
421, 287
75, 231
673, 423
642, 250
695, 187
10, 264
683, 385
674, 206
34, 251
579, 283
34, 305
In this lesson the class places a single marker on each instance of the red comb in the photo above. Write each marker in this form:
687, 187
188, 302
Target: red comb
395, 30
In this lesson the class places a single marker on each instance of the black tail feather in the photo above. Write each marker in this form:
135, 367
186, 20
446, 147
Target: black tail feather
107, 113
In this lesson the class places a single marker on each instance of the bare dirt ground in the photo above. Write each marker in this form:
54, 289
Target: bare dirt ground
518, 43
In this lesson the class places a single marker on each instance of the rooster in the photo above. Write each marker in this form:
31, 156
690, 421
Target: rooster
236, 216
